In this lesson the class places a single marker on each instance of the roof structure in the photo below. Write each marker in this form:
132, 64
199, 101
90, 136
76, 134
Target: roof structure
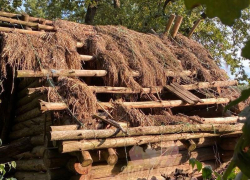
106, 102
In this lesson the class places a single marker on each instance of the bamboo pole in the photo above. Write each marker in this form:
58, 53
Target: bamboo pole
71, 146
177, 25
169, 24
47, 106
30, 24
87, 57
57, 73
140, 131
30, 165
193, 28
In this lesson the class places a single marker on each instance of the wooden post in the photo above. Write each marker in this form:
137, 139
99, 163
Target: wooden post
111, 156
193, 28
31, 165
169, 24
177, 25
85, 158
189, 144
26, 19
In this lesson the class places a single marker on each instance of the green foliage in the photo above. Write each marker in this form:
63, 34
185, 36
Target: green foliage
226, 10
207, 172
246, 50
194, 162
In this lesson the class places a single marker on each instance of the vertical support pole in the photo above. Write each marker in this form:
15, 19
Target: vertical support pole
193, 28
177, 25
26, 18
169, 24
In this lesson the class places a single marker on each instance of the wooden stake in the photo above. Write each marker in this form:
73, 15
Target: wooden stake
177, 25
169, 24
193, 28
71, 146
57, 73
147, 130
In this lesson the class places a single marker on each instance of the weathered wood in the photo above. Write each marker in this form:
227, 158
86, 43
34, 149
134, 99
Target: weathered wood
29, 115
111, 156
177, 25
193, 28
15, 148
87, 57
57, 73
169, 24
31, 131
20, 175
189, 144
179, 94
47, 106
71, 146
139, 131
26, 23
64, 128
31, 165
223, 120
31, 122
75, 167
228, 143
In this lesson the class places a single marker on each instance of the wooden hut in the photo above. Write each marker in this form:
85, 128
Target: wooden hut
106, 102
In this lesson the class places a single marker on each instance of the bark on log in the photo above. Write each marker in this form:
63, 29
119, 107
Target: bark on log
228, 143
28, 115
30, 24
47, 106
32, 131
76, 167
15, 148
31, 122
169, 24
177, 25
139, 131
20, 175
87, 57
71, 146
31, 165
57, 73
193, 28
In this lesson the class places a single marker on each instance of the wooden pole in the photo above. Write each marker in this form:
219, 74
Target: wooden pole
36, 152
177, 25
47, 106
64, 128
57, 73
30, 24
87, 58
71, 146
169, 24
139, 131
224, 120
31, 165
37, 140
193, 28
85, 158
111, 156
156, 89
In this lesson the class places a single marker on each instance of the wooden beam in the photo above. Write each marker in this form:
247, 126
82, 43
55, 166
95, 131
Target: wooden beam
177, 25
57, 73
87, 57
223, 120
193, 28
24, 31
139, 131
169, 24
71, 146
26, 23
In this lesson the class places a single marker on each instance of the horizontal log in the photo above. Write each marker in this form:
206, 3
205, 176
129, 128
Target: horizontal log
26, 23
31, 165
24, 31
29, 115
55, 162
31, 131
57, 73
64, 128
223, 120
79, 44
71, 146
36, 152
30, 175
19, 16
87, 57
37, 140
139, 131
15, 148
47, 106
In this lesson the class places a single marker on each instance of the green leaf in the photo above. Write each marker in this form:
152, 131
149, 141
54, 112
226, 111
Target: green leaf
199, 165
244, 95
226, 10
218, 176
246, 50
192, 162
207, 172
13, 164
